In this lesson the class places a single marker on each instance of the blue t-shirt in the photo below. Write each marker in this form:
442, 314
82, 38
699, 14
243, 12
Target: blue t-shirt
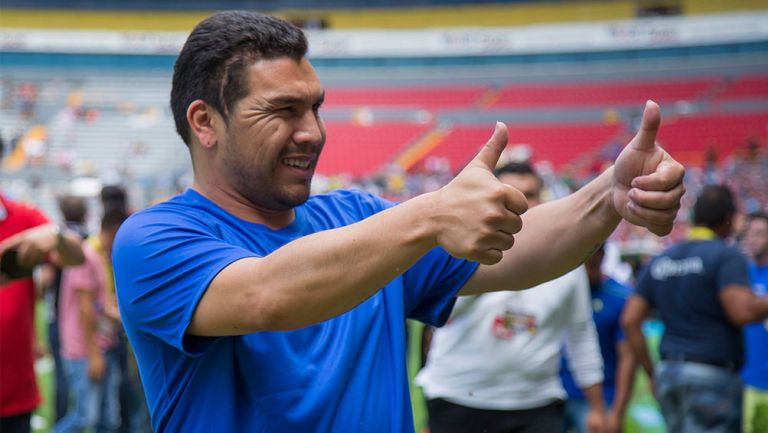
608, 298
346, 374
755, 372
683, 284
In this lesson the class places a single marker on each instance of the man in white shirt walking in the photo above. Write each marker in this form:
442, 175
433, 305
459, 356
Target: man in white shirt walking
495, 366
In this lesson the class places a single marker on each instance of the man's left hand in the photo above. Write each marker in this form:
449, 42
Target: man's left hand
647, 182
596, 421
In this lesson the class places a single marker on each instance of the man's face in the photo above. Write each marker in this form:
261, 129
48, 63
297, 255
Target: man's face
756, 238
528, 184
275, 135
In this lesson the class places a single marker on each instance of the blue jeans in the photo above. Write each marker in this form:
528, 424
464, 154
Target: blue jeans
698, 398
95, 404
60, 388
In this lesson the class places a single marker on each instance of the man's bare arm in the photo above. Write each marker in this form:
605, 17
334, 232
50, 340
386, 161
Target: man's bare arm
742, 306
635, 312
33, 245
556, 237
644, 187
323, 275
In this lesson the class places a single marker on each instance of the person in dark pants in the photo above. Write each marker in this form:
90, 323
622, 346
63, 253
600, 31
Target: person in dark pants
700, 288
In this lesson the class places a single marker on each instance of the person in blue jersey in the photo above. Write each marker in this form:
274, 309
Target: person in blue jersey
253, 307
755, 370
700, 288
608, 299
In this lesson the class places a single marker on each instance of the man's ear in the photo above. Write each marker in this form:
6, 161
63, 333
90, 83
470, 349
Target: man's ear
202, 120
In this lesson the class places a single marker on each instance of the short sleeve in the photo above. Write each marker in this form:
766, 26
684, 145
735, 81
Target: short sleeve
733, 270
581, 310
163, 263
36, 217
432, 283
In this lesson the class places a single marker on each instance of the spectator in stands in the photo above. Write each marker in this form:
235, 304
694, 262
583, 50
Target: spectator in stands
746, 176
88, 332
700, 288
495, 366
27, 239
608, 298
252, 306
73, 210
755, 371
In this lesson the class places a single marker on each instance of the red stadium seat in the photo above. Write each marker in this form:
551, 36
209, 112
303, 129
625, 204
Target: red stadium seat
431, 98
360, 150
604, 93
557, 143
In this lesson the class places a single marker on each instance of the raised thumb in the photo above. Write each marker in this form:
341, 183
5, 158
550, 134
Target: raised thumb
489, 154
649, 127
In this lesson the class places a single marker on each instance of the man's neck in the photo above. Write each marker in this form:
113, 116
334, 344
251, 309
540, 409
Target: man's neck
242, 208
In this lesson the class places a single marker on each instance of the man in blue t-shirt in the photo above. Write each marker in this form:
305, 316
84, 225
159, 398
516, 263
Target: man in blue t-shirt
608, 298
700, 288
755, 371
252, 306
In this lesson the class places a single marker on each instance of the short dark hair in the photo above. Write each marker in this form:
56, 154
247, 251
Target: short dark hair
515, 168
112, 218
73, 208
519, 168
213, 61
113, 196
714, 206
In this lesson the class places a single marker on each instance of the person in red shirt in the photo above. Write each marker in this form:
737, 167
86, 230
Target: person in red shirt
27, 238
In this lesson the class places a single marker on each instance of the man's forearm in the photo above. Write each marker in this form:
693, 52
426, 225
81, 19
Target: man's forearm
636, 340
594, 396
316, 277
556, 237
625, 378
87, 318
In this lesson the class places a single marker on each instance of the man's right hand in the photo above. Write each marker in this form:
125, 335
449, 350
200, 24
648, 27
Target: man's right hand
477, 215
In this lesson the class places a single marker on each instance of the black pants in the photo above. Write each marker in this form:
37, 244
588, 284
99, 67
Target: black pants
446, 417
16, 423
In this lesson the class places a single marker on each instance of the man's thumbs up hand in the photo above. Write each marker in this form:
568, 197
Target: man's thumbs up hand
476, 214
648, 183
488, 156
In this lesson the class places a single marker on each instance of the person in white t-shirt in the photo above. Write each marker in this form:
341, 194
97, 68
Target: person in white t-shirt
494, 367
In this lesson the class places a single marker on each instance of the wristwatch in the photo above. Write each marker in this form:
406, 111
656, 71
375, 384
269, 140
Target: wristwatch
58, 230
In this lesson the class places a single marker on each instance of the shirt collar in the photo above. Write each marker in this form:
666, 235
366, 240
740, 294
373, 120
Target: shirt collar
699, 233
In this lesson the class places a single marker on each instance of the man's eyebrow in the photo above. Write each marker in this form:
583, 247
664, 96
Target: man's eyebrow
294, 100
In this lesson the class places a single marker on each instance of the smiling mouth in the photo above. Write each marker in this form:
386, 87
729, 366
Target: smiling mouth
297, 163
